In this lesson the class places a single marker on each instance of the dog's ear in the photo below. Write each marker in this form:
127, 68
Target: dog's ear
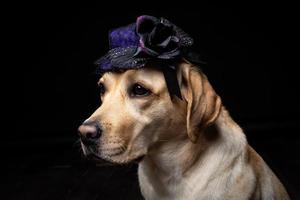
203, 104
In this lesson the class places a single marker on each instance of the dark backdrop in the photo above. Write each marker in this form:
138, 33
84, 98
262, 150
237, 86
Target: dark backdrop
251, 65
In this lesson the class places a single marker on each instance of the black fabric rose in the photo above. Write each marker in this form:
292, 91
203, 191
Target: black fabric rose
159, 38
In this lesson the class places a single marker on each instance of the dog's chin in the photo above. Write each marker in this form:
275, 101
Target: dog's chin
121, 160
111, 158
122, 157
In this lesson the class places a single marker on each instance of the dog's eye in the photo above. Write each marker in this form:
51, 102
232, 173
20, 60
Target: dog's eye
102, 89
139, 91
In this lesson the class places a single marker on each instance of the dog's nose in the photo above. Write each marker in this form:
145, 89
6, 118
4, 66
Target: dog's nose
89, 132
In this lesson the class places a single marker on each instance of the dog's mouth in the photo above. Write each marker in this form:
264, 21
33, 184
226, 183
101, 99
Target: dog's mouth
91, 154
139, 159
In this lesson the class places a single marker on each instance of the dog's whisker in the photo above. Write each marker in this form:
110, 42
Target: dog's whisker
123, 148
78, 148
163, 140
76, 142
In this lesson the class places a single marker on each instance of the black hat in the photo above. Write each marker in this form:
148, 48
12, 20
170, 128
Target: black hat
149, 39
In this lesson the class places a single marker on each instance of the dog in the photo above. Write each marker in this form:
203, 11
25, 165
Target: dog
187, 149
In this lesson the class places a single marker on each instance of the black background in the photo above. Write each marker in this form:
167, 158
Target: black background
251, 64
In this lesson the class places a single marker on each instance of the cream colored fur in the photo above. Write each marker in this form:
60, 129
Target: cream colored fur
192, 148
223, 171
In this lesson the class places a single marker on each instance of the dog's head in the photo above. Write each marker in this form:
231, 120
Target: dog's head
137, 112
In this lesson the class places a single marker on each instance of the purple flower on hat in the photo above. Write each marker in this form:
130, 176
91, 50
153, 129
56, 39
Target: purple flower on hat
159, 38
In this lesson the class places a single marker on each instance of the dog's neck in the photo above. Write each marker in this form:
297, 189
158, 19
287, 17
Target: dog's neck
172, 163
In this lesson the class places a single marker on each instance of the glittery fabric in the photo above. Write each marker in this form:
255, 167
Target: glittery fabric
123, 37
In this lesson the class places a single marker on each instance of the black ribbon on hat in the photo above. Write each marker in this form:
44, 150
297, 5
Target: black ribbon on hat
171, 80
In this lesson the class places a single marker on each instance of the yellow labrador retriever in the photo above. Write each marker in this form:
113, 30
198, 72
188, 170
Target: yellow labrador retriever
188, 149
